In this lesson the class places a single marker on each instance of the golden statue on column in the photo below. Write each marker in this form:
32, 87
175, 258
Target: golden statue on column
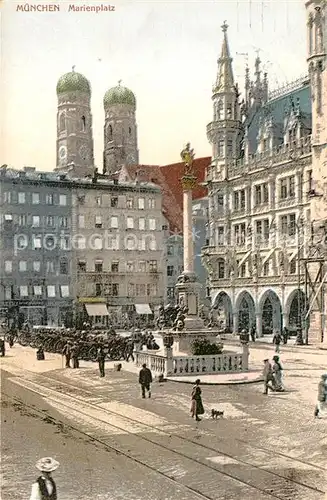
188, 179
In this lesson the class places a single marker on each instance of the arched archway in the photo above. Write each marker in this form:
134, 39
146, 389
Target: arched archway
222, 305
245, 311
270, 309
296, 309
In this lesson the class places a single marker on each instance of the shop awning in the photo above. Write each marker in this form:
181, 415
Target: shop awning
96, 309
143, 309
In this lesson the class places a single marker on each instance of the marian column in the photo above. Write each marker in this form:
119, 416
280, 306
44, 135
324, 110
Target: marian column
188, 287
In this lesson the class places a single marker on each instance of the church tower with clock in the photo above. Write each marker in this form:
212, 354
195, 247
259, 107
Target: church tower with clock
74, 126
120, 130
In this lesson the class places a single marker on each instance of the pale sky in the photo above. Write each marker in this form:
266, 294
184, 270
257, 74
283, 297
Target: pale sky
165, 51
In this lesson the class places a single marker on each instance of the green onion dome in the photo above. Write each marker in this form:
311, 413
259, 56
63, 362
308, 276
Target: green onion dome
73, 82
119, 95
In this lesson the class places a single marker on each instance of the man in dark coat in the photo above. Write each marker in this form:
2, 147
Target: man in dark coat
145, 379
45, 487
75, 354
101, 356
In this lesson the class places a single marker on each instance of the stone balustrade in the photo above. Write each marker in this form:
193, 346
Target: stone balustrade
155, 362
170, 365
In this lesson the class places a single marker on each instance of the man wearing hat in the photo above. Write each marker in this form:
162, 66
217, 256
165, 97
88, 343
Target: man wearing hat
45, 487
67, 352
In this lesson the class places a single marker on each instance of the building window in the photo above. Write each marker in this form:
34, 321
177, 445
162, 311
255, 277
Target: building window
49, 220
152, 224
170, 250
81, 221
37, 266
129, 203
242, 271
22, 220
8, 218
98, 221
21, 242
51, 291
63, 221
153, 266
170, 270
114, 202
22, 266
152, 245
98, 289
152, 203
23, 291
98, 200
229, 148
221, 236
8, 266
142, 224
114, 222
50, 266
113, 289
130, 244
97, 244
115, 266
262, 231
63, 266
37, 242
141, 245
266, 269
130, 267
62, 200
292, 186
220, 150
265, 193
293, 266
141, 203
130, 223
131, 290
21, 198
37, 290
142, 266
140, 290
8, 292
64, 291
171, 293
98, 266
80, 243
151, 290
35, 221
35, 198
7, 197
64, 243
236, 200
288, 225
258, 199
49, 199
221, 269
283, 189
81, 266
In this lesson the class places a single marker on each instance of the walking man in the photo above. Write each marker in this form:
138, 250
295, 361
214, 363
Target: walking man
145, 379
45, 487
267, 375
322, 396
74, 355
101, 356
277, 340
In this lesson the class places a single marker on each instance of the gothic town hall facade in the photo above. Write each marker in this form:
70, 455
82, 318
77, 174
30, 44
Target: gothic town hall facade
259, 190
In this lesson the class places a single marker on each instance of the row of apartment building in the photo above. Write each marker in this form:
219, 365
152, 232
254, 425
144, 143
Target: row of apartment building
72, 246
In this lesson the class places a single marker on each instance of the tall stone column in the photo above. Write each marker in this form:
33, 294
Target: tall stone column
188, 286
187, 183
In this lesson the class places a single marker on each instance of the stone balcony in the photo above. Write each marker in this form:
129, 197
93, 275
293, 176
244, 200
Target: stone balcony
260, 161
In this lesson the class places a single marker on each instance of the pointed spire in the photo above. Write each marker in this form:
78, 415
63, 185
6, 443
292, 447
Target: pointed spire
225, 77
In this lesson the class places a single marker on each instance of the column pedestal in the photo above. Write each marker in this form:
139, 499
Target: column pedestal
188, 293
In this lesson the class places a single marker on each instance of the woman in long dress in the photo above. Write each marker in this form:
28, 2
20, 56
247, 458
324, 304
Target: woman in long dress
277, 375
196, 403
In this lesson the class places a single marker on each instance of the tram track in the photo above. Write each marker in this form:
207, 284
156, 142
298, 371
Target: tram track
276, 485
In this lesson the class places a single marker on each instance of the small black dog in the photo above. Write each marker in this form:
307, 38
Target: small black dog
216, 413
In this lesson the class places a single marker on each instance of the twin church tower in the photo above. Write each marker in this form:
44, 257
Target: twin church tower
75, 149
